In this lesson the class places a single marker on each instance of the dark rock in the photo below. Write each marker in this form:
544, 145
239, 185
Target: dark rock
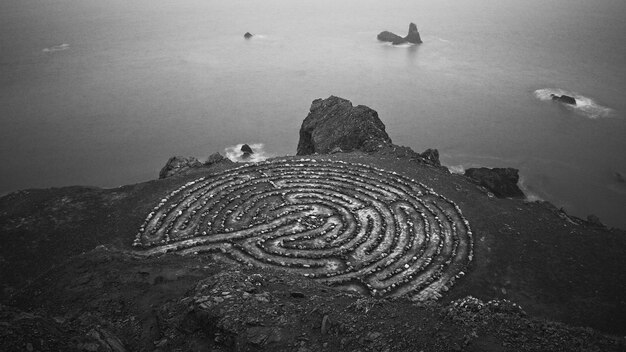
565, 99
297, 294
412, 37
177, 164
248, 35
246, 150
431, 156
214, 158
390, 37
334, 123
594, 220
501, 181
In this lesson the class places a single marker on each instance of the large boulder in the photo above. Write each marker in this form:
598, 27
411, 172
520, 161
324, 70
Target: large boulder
387, 36
177, 164
334, 123
412, 37
246, 150
248, 35
501, 181
565, 99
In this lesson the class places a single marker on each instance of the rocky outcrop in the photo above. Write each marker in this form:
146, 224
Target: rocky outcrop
502, 182
334, 123
431, 156
565, 99
412, 37
214, 159
335, 126
177, 164
248, 35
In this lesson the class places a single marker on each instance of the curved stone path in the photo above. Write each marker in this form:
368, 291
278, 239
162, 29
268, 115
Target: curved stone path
348, 225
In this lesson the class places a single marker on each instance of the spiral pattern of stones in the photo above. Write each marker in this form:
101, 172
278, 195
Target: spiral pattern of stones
348, 225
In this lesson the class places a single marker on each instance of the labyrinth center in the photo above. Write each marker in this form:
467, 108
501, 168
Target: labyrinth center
349, 225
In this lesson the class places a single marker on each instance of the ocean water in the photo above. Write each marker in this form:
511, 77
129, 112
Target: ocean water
101, 93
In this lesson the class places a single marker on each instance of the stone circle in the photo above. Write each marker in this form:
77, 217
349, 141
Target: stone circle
349, 225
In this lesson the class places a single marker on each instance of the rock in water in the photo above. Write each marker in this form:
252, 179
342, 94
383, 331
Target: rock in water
334, 123
246, 150
412, 37
390, 37
178, 164
565, 99
248, 35
502, 182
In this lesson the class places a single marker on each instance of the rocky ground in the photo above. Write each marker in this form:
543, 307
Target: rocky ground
540, 280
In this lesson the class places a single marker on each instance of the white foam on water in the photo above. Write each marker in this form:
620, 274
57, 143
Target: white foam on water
456, 169
235, 154
530, 195
59, 47
403, 45
585, 106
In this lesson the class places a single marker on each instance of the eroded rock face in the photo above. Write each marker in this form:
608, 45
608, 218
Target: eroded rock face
178, 164
412, 37
334, 123
501, 181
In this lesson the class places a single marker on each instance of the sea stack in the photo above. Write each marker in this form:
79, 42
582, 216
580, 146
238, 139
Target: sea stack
246, 150
412, 37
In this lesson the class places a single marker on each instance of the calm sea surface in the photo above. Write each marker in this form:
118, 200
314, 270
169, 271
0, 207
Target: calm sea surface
101, 93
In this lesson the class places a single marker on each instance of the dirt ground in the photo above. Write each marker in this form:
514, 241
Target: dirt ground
540, 280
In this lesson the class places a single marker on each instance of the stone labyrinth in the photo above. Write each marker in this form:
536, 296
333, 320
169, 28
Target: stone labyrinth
348, 225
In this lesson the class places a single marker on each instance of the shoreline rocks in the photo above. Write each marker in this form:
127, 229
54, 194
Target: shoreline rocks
333, 126
502, 182
334, 123
180, 165
177, 164
412, 37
